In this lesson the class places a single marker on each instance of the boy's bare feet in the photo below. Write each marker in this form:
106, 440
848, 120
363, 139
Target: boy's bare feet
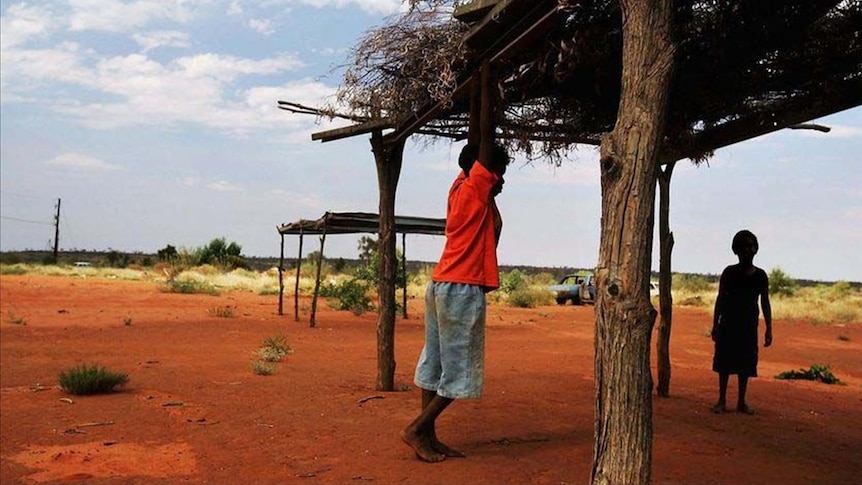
446, 450
422, 446
719, 408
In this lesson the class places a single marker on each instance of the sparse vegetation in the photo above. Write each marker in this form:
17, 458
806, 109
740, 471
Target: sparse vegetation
14, 269
263, 368
221, 311
349, 295
93, 379
780, 284
189, 287
839, 302
11, 317
817, 372
127, 321
274, 349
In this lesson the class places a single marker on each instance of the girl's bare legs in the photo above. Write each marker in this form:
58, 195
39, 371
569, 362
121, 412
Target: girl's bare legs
721, 405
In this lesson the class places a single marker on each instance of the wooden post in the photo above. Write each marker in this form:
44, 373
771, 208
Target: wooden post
665, 242
57, 234
388, 159
623, 311
296, 287
404, 280
317, 281
281, 278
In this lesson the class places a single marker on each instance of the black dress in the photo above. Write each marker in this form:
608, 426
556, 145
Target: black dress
739, 311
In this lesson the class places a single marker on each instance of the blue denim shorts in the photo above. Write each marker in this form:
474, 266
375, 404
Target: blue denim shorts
452, 362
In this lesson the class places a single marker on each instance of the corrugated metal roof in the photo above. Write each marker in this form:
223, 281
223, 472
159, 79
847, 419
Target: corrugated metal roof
359, 222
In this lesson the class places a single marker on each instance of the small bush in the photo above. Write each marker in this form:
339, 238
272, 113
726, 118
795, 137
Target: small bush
15, 269
530, 298
274, 349
513, 281
817, 372
221, 311
11, 317
691, 283
263, 368
780, 283
82, 380
189, 287
840, 290
350, 295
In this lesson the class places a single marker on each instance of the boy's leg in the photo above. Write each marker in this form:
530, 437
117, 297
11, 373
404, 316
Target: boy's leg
439, 446
416, 434
721, 405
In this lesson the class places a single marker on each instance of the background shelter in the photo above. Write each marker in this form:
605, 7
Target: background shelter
347, 223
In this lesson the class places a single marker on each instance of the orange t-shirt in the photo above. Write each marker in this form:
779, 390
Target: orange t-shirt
470, 254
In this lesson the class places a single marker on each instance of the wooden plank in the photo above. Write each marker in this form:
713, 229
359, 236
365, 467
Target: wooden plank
353, 130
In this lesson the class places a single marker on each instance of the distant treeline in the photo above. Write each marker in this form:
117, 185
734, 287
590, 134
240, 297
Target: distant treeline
124, 259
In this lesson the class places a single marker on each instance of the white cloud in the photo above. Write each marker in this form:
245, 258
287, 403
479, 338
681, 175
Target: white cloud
235, 8
371, 6
22, 22
161, 38
228, 68
78, 161
223, 186
262, 26
118, 16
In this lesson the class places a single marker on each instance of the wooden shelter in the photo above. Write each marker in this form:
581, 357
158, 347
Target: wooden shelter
652, 82
347, 223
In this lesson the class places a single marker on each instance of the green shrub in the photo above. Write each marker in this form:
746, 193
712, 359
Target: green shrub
780, 283
15, 269
692, 283
83, 379
817, 372
350, 295
840, 290
512, 281
530, 298
189, 287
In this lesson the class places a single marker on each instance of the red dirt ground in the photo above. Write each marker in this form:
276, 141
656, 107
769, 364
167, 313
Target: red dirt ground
193, 412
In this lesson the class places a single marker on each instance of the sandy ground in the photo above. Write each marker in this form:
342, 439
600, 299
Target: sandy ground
193, 412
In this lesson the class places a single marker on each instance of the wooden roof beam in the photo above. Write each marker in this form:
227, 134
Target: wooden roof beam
540, 19
796, 110
353, 130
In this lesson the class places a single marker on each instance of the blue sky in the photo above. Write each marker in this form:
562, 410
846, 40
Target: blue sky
156, 123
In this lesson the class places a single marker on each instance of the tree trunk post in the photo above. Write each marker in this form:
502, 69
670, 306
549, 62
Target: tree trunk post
296, 285
404, 279
313, 321
665, 239
388, 159
281, 278
624, 313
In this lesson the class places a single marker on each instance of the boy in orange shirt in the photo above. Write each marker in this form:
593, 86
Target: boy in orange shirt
451, 365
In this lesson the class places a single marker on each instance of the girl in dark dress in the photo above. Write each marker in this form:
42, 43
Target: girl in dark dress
735, 320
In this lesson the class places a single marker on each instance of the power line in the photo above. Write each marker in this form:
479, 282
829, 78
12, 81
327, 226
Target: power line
26, 220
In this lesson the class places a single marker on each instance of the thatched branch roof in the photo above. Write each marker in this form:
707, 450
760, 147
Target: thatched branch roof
743, 69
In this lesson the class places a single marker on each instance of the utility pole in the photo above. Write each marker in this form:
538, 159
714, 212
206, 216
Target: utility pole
57, 231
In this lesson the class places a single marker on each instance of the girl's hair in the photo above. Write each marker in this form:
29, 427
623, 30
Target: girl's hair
742, 236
